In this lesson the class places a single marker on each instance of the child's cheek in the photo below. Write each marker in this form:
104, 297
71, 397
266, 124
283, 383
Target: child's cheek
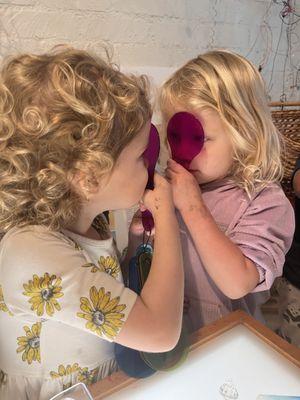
200, 159
143, 175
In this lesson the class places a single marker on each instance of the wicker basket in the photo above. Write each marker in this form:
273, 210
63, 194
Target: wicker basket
286, 117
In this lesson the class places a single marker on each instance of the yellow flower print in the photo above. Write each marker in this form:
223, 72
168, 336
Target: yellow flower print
104, 315
88, 376
43, 292
30, 344
108, 264
93, 266
3, 306
76, 245
64, 372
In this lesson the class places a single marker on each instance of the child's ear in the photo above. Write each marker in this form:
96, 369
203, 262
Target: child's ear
84, 185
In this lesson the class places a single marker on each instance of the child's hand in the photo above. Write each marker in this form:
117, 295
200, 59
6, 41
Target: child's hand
186, 190
158, 201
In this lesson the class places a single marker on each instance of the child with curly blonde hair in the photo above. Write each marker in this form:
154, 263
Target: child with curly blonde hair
72, 137
236, 223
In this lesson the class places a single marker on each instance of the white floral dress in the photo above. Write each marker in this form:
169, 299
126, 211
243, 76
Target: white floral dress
62, 304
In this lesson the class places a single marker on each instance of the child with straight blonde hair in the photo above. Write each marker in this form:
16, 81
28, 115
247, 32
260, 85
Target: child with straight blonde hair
236, 223
73, 131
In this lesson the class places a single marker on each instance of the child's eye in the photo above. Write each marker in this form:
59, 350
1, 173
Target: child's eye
198, 138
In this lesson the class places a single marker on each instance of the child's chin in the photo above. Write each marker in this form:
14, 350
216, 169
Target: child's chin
202, 180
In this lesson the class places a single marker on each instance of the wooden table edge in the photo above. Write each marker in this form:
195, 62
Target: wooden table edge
119, 380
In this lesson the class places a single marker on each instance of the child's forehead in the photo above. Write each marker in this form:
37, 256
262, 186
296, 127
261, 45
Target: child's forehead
202, 114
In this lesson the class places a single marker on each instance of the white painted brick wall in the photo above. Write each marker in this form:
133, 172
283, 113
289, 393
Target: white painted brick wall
149, 33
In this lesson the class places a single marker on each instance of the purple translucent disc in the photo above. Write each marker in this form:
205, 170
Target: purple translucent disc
147, 220
151, 156
186, 137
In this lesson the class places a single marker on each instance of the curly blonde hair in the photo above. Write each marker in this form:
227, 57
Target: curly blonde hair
231, 85
61, 113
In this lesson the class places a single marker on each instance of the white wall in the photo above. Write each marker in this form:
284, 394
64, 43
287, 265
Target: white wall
155, 36
154, 33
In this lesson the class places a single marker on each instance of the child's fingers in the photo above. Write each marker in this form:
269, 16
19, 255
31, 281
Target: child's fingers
158, 179
174, 166
170, 166
168, 174
172, 176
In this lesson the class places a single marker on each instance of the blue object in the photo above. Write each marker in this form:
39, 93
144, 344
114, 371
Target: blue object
130, 360
134, 282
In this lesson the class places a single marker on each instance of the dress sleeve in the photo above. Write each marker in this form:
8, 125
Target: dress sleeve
44, 275
264, 234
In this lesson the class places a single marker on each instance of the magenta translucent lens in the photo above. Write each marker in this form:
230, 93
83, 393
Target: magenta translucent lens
186, 137
151, 156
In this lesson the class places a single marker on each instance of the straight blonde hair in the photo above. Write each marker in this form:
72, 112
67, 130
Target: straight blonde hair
231, 85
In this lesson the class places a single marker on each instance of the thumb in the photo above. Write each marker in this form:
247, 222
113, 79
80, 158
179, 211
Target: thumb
175, 166
158, 179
